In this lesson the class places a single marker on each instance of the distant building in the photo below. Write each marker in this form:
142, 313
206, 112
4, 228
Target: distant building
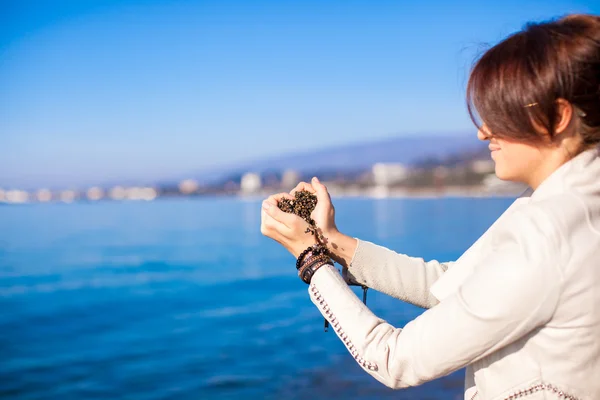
250, 183
188, 186
149, 194
2, 196
67, 196
380, 191
133, 193
43, 195
140, 193
117, 193
16, 196
387, 174
94, 193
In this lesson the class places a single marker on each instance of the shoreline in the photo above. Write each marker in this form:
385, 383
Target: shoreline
335, 192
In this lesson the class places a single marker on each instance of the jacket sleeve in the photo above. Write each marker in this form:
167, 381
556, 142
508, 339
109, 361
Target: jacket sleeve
511, 292
406, 278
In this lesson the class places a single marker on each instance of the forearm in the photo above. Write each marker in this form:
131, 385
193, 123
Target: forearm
398, 275
342, 247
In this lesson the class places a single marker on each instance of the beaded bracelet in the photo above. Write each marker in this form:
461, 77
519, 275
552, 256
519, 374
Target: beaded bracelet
315, 249
302, 255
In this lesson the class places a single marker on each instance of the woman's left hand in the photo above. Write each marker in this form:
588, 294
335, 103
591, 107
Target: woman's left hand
288, 229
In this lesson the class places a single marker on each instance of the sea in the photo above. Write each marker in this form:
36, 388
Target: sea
185, 299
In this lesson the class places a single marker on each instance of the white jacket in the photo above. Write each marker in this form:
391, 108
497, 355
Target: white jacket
520, 308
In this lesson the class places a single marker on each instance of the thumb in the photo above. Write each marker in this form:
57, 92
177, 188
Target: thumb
321, 190
274, 212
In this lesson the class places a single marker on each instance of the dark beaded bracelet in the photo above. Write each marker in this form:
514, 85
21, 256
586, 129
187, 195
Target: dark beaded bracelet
302, 255
314, 250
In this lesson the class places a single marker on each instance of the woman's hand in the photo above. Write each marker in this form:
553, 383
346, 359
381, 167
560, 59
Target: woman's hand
324, 212
288, 229
341, 247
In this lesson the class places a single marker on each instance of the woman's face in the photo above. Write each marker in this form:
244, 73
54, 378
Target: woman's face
515, 161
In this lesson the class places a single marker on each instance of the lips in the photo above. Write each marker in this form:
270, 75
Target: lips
493, 147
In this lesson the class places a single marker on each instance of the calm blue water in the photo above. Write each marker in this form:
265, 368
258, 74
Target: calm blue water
185, 299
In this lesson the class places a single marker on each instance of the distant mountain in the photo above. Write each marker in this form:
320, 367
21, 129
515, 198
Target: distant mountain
345, 160
409, 150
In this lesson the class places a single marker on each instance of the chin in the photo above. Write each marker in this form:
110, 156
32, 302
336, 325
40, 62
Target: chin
503, 174
509, 175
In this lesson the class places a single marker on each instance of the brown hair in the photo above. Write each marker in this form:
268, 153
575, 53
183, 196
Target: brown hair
514, 86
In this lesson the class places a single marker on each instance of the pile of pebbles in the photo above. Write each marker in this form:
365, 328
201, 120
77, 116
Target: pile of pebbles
302, 205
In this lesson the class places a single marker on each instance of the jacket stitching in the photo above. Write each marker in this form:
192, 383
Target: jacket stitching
534, 389
539, 387
335, 324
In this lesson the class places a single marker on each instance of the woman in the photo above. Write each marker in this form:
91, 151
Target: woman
520, 308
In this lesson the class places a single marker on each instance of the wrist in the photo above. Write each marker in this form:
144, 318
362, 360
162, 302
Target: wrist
330, 235
301, 247
341, 247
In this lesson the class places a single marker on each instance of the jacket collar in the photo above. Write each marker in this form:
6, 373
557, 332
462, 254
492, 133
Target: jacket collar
578, 174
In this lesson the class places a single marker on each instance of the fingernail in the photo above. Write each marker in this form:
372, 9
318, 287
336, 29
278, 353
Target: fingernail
316, 179
266, 206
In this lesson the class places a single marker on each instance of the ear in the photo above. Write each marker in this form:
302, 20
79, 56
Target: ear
564, 115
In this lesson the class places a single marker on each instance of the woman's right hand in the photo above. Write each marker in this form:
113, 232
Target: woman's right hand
324, 212
342, 247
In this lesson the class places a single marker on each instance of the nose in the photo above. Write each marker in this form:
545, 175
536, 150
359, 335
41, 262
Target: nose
483, 133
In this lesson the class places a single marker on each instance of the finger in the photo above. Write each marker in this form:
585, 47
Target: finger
274, 212
320, 190
303, 186
270, 227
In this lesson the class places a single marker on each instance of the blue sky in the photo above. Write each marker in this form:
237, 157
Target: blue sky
97, 91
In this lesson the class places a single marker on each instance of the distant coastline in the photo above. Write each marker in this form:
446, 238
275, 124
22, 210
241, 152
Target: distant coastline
336, 189
465, 173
